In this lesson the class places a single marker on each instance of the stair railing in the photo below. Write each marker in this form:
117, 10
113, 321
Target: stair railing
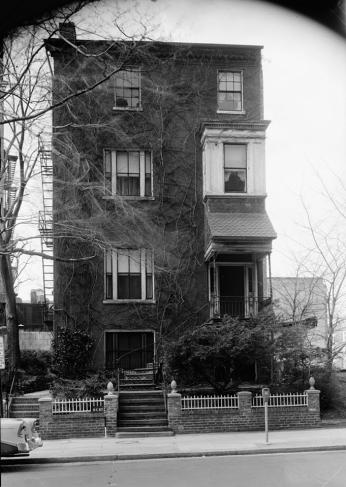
9, 393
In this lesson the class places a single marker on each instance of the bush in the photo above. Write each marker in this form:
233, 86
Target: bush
72, 352
94, 385
34, 373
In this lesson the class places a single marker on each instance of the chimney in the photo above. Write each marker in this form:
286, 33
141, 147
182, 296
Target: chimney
68, 31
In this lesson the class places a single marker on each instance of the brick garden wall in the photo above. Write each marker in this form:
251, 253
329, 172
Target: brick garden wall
77, 425
244, 418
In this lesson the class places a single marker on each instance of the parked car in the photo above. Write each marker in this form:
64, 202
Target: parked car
18, 436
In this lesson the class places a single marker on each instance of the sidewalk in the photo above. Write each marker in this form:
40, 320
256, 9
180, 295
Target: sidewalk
237, 443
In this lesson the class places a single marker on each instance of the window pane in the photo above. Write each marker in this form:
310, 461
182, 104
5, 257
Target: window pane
123, 286
122, 162
135, 261
149, 286
235, 181
135, 291
149, 262
134, 163
123, 261
148, 162
235, 155
133, 186
230, 91
147, 189
109, 261
109, 286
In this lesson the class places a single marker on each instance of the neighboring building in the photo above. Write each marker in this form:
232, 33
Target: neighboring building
172, 152
302, 301
37, 296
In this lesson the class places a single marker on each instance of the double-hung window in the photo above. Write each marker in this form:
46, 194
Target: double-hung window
127, 89
128, 173
235, 168
230, 91
129, 275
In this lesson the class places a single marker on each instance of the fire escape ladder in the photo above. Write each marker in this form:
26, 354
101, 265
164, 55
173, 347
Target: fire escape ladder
46, 219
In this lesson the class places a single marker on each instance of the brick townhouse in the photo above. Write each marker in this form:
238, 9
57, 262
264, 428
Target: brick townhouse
170, 152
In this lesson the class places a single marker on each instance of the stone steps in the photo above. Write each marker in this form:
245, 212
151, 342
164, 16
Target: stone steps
24, 407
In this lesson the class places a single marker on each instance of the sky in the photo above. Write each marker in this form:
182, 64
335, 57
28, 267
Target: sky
304, 70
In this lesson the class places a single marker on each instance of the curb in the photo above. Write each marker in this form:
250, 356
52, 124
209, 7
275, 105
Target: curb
152, 456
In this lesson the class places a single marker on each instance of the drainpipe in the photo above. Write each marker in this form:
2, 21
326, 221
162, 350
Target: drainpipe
270, 277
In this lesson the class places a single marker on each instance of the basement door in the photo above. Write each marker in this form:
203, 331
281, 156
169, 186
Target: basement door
130, 348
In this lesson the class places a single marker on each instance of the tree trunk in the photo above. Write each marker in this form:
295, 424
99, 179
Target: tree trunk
11, 312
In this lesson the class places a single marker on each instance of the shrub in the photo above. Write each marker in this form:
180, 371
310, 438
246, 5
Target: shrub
34, 373
72, 352
93, 385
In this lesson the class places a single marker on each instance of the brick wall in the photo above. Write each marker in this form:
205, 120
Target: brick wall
77, 425
245, 418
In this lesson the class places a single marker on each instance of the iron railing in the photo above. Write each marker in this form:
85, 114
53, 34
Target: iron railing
209, 402
237, 306
281, 400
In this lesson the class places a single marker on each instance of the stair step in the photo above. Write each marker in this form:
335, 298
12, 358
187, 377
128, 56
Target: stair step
144, 429
139, 408
143, 422
143, 434
137, 415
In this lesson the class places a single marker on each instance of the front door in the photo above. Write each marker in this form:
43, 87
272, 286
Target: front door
129, 350
231, 290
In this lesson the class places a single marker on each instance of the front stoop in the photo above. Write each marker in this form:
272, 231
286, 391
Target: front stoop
142, 413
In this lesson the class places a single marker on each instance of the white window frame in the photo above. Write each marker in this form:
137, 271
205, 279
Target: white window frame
220, 110
113, 172
111, 267
129, 108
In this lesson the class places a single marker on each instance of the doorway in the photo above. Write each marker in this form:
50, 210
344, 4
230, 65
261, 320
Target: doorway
231, 290
129, 349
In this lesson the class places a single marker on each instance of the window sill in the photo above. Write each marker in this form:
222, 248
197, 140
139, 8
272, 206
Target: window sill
128, 301
135, 198
232, 112
127, 109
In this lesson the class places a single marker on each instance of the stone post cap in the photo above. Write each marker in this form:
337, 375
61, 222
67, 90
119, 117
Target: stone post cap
173, 394
312, 391
45, 399
110, 397
246, 393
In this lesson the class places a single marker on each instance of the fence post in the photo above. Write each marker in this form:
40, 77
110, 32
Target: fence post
111, 413
45, 416
313, 400
174, 408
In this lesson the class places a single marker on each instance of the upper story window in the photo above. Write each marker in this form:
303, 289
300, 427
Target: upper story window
128, 173
129, 275
235, 168
230, 91
127, 90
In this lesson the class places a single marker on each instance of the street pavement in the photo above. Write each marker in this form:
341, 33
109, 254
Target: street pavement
309, 469
185, 445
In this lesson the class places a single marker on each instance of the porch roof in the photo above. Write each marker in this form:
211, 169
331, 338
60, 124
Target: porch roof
236, 226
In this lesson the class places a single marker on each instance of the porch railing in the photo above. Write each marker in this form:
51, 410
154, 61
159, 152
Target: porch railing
237, 306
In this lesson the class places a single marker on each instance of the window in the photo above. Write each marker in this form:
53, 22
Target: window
230, 95
128, 173
129, 275
127, 90
235, 167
